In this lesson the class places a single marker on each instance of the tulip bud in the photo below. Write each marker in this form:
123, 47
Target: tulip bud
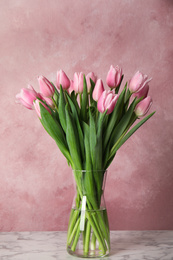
49, 102
46, 88
143, 107
27, 96
137, 82
98, 90
107, 101
142, 93
78, 82
71, 88
114, 76
89, 76
37, 107
62, 80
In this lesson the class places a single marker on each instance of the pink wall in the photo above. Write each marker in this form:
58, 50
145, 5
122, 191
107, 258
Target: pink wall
40, 37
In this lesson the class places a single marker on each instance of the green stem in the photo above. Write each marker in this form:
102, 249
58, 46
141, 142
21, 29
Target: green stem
76, 227
70, 224
98, 227
76, 237
87, 237
55, 104
92, 222
88, 99
93, 242
80, 95
84, 235
73, 219
100, 240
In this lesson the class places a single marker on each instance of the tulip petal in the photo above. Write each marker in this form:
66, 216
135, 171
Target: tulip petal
62, 80
100, 104
98, 90
143, 106
108, 100
46, 88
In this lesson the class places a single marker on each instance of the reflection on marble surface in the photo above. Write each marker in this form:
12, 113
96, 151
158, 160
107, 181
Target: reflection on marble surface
131, 245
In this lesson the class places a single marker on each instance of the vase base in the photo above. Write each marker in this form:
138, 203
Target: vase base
91, 254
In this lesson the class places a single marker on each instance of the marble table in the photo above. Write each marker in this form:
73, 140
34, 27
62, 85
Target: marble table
126, 245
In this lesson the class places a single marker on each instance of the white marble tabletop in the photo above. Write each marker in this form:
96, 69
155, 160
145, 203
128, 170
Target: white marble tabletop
125, 245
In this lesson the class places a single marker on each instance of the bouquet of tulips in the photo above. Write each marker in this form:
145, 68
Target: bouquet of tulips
89, 125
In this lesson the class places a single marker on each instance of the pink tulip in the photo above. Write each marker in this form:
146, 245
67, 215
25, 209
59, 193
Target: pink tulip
27, 96
143, 106
137, 82
71, 88
46, 88
62, 80
107, 101
142, 93
114, 76
78, 82
98, 90
49, 101
37, 107
89, 76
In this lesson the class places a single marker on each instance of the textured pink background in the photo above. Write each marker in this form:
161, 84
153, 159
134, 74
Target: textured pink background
40, 37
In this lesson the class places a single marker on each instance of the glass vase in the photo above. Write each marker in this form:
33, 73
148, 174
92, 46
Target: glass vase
88, 230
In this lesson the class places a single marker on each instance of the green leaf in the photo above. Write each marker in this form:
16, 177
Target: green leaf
127, 99
88, 164
56, 91
73, 141
74, 99
115, 116
84, 101
92, 101
133, 130
78, 126
56, 94
62, 114
123, 124
93, 137
127, 136
108, 162
97, 156
93, 178
118, 87
55, 131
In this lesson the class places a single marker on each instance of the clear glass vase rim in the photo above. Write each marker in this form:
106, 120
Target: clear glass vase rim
89, 170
